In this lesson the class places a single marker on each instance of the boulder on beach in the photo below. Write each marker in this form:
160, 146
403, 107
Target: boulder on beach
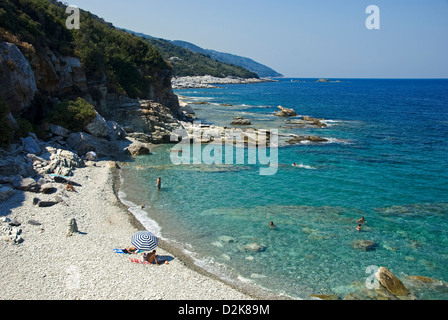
46, 204
30, 145
138, 149
6, 193
83, 142
61, 162
25, 184
285, 112
101, 128
47, 188
59, 131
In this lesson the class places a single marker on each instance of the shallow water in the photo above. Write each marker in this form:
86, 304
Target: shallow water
386, 161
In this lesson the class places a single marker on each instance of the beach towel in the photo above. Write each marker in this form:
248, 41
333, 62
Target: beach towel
120, 251
139, 261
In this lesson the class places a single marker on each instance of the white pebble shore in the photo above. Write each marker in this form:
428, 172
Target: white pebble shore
48, 265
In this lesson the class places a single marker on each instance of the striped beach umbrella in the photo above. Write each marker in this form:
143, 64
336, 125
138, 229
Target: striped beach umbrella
144, 241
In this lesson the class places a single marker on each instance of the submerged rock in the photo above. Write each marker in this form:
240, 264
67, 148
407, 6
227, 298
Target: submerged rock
300, 139
365, 245
254, 247
226, 239
324, 296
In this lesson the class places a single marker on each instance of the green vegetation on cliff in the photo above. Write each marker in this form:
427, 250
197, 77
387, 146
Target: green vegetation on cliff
5, 129
73, 115
186, 63
128, 62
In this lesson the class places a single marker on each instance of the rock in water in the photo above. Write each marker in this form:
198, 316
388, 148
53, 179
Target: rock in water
254, 247
365, 245
325, 296
300, 139
72, 227
388, 280
240, 121
285, 112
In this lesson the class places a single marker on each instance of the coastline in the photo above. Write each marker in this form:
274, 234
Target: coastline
210, 81
49, 265
257, 294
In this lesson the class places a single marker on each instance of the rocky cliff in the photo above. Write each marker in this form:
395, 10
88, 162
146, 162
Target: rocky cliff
53, 77
43, 63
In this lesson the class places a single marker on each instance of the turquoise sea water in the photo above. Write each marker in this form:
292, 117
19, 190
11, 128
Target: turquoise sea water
386, 160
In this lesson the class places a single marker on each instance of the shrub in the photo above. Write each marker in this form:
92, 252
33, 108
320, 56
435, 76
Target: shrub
6, 132
73, 115
25, 127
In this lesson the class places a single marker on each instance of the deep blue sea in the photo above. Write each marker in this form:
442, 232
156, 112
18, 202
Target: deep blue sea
386, 159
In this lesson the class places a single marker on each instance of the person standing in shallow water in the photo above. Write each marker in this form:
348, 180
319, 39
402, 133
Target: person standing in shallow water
159, 183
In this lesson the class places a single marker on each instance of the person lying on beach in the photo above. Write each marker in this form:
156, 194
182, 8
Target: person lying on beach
69, 187
152, 258
131, 250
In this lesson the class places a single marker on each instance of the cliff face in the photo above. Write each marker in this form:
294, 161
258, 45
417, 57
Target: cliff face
43, 63
18, 84
56, 77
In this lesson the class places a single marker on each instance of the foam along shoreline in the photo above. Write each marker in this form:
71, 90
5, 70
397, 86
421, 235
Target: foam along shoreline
48, 264
210, 81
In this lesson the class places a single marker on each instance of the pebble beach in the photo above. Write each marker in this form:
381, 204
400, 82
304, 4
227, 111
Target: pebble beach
49, 264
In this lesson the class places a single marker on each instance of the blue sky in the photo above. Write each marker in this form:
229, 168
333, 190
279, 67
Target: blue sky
300, 38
